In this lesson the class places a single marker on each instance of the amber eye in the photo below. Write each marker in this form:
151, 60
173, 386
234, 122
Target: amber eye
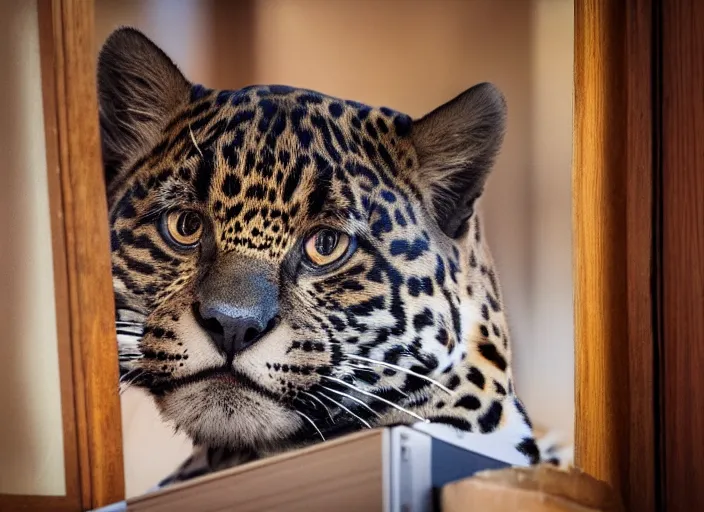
184, 227
326, 246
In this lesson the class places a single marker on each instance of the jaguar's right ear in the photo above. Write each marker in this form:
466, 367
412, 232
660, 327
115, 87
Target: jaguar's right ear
139, 91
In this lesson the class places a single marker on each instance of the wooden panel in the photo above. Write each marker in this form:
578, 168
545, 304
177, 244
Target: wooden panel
599, 202
683, 253
643, 454
68, 48
85, 315
610, 195
72, 499
277, 483
612, 214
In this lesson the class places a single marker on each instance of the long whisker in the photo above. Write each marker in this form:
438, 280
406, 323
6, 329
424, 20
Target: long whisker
129, 331
312, 423
404, 395
129, 315
372, 395
404, 370
126, 384
131, 328
307, 402
131, 375
130, 378
355, 399
358, 367
311, 395
346, 409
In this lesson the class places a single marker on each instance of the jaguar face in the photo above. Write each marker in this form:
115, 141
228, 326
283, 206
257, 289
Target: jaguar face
290, 266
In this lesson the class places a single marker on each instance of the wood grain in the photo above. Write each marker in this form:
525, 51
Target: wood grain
599, 206
344, 474
613, 223
612, 247
87, 348
91, 307
643, 454
22, 503
71, 500
683, 253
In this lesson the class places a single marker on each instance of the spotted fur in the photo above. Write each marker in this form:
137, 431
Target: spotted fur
410, 327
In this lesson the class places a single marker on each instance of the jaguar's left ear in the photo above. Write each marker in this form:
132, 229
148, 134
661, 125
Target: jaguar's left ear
456, 146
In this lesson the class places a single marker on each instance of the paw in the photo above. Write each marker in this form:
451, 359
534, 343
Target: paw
553, 449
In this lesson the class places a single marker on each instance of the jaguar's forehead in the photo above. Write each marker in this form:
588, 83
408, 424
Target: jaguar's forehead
266, 162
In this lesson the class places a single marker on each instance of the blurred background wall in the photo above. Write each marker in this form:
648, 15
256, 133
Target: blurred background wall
31, 435
411, 55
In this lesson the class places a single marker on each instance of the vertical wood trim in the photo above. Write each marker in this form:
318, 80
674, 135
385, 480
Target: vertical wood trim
87, 346
613, 223
683, 253
599, 209
52, 10
642, 452
93, 338
58, 239
71, 501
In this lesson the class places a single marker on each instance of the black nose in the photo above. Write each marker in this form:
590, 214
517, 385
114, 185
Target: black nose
237, 302
232, 329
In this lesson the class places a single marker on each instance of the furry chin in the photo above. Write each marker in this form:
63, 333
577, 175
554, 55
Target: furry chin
219, 413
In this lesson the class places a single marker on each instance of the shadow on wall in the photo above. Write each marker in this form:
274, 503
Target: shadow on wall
412, 59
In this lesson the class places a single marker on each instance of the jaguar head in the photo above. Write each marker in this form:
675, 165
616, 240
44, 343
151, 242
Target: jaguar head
289, 265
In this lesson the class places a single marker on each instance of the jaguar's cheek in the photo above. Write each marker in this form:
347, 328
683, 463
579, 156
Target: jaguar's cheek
192, 341
285, 360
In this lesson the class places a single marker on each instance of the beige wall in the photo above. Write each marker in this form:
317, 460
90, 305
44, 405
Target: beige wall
544, 361
411, 55
31, 443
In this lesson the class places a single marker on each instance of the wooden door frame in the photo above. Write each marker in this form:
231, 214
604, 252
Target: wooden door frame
613, 220
70, 96
615, 230
87, 345
681, 199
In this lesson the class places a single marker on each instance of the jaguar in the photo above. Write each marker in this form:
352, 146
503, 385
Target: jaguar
290, 267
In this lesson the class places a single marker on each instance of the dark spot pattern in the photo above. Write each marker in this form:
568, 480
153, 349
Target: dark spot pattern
266, 166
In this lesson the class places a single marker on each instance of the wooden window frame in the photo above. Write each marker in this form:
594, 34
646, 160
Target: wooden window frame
614, 230
87, 345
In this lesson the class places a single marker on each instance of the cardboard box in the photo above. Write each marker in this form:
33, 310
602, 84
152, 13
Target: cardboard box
538, 489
